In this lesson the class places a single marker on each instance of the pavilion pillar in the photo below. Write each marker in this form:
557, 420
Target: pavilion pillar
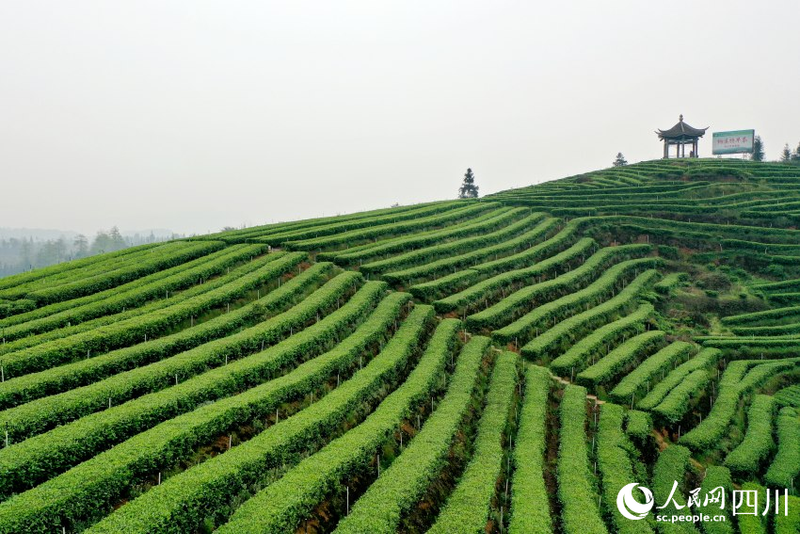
666, 149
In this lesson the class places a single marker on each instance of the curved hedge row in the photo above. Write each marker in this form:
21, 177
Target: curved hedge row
579, 353
757, 444
471, 256
282, 505
567, 306
615, 466
130, 295
529, 515
58, 379
620, 358
786, 465
455, 282
715, 477
184, 500
491, 288
703, 360
573, 327
68, 349
398, 488
312, 229
580, 513
130, 271
57, 275
711, 430
522, 300
635, 381
418, 257
46, 454
766, 315
391, 231
230, 280
676, 402
469, 506
86, 489
487, 222
670, 467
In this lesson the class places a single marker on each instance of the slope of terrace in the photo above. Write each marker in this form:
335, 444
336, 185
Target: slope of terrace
528, 354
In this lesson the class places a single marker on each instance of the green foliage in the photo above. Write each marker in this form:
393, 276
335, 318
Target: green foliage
715, 477
638, 378
580, 513
282, 505
398, 488
578, 354
369, 233
789, 396
599, 291
615, 467
639, 425
469, 252
788, 524
60, 351
671, 467
497, 285
676, 403
670, 282
518, 220
58, 379
753, 524
529, 515
757, 444
620, 358
468, 188
467, 509
129, 295
521, 301
786, 465
48, 454
182, 501
277, 234
174, 253
758, 149
109, 473
704, 359
736, 382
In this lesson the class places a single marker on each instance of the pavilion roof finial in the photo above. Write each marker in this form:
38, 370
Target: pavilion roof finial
680, 119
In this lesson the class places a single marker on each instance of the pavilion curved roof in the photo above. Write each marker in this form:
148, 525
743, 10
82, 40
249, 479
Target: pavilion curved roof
681, 131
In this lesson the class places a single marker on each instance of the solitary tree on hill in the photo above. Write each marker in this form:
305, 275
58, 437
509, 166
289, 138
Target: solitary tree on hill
796, 155
758, 149
620, 160
468, 188
786, 155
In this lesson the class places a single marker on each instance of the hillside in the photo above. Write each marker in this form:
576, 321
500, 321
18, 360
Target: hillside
507, 364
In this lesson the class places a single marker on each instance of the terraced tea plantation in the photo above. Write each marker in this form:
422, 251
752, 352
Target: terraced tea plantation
507, 364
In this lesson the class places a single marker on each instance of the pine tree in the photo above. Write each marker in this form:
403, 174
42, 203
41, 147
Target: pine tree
468, 188
796, 155
758, 149
786, 155
620, 160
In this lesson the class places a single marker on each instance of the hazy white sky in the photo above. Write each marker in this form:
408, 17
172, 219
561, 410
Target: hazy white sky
194, 115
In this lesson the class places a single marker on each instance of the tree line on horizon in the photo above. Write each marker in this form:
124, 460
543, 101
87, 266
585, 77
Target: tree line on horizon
18, 255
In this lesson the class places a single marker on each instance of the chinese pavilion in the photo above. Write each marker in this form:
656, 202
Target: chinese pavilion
681, 135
